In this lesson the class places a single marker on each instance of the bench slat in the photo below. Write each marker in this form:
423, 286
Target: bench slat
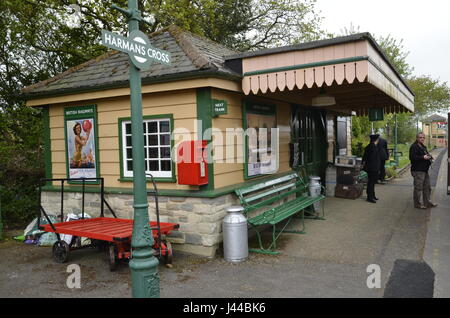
275, 215
266, 184
252, 198
261, 197
269, 201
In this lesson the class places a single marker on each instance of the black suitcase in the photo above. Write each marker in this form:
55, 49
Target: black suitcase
346, 179
353, 191
346, 171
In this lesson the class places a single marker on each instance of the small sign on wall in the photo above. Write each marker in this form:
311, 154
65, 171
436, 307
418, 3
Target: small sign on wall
220, 107
376, 114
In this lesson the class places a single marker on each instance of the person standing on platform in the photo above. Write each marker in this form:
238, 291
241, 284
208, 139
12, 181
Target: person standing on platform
371, 164
384, 155
420, 163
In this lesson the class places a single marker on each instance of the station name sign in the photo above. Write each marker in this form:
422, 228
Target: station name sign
138, 48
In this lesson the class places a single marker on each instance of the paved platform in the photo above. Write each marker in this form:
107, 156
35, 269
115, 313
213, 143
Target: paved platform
437, 247
330, 260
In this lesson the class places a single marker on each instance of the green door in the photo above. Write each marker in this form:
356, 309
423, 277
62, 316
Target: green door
309, 131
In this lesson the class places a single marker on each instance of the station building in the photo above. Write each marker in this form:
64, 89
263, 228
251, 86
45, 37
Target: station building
435, 130
308, 91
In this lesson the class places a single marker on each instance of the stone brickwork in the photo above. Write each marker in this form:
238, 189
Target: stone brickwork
200, 219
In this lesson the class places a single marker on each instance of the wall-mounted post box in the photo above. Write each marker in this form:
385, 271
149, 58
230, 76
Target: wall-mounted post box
192, 162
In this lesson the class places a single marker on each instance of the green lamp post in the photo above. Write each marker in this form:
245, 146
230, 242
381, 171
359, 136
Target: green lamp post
143, 265
395, 141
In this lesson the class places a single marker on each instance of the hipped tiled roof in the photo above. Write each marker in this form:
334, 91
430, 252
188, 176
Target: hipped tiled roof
435, 118
192, 56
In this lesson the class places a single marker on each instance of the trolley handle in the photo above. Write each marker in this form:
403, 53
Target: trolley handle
155, 192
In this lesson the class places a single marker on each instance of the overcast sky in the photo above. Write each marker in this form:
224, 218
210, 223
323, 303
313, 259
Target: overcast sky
424, 27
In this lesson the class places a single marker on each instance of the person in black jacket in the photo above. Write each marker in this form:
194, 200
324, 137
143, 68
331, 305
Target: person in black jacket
420, 163
371, 164
384, 155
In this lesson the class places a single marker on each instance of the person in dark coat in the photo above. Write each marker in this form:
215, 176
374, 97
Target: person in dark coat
420, 163
384, 155
371, 164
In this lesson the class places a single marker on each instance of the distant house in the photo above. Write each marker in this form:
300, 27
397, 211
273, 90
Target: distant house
435, 130
308, 91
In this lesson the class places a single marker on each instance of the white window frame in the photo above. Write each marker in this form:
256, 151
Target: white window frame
125, 158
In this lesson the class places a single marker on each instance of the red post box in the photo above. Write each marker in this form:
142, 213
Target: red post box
191, 162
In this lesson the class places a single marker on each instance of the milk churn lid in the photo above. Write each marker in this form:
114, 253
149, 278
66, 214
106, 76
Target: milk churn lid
235, 208
314, 178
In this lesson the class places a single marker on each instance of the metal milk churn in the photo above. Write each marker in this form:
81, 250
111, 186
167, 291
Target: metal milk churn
235, 235
315, 190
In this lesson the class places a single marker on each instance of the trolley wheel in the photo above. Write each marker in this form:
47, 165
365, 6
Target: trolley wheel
168, 257
112, 253
61, 251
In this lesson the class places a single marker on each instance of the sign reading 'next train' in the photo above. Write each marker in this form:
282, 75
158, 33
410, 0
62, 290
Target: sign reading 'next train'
138, 48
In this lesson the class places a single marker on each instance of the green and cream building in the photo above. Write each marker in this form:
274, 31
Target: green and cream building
276, 88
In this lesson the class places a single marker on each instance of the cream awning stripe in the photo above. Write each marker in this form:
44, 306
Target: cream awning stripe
379, 69
327, 63
307, 65
360, 68
307, 76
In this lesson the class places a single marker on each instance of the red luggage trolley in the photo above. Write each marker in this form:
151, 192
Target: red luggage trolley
113, 234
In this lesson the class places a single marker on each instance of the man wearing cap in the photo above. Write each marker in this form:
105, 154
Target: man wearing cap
371, 164
420, 163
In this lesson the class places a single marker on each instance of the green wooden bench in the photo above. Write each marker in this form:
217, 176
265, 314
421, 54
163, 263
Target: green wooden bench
362, 176
271, 202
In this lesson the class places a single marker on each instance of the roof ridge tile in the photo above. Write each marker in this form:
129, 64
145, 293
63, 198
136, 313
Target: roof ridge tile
192, 52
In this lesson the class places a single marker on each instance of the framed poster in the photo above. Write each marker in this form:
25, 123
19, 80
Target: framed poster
261, 152
81, 139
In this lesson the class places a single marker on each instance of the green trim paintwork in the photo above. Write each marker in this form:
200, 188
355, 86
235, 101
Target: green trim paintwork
204, 114
390, 80
308, 65
168, 192
97, 149
326, 63
47, 143
122, 178
173, 179
145, 81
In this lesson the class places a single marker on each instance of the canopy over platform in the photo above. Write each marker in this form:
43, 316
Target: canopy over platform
352, 69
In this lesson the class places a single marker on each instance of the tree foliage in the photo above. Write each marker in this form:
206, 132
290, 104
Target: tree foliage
396, 54
431, 95
41, 38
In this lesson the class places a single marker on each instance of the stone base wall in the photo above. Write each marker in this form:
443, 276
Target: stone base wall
200, 219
